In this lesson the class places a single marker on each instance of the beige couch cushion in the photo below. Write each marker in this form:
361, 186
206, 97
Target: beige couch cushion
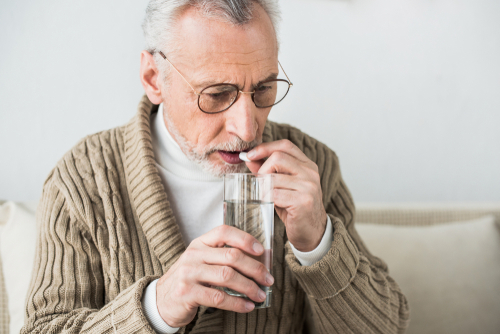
4, 308
420, 214
17, 251
449, 272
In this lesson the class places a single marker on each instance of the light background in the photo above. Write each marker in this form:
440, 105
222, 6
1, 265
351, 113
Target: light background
407, 92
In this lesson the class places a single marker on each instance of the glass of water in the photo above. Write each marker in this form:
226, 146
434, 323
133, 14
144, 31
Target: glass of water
249, 206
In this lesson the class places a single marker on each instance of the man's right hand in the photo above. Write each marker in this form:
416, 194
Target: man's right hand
205, 263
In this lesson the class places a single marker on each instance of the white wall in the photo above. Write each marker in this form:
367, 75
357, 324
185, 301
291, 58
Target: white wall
406, 92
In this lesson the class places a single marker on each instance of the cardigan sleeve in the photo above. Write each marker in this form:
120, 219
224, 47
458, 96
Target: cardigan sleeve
68, 287
349, 290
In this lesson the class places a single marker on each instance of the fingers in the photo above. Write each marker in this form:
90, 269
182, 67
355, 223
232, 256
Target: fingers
310, 185
238, 260
281, 163
285, 198
231, 236
221, 300
265, 150
228, 277
289, 199
283, 181
254, 166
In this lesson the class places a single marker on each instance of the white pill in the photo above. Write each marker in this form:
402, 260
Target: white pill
243, 156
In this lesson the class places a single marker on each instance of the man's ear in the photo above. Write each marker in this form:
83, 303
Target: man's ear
150, 78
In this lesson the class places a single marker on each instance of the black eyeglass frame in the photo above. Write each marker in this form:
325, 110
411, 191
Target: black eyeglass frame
290, 84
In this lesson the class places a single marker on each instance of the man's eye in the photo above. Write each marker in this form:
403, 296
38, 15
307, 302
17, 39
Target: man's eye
216, 95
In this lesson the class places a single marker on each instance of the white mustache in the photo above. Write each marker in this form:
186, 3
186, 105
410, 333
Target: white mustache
235, 145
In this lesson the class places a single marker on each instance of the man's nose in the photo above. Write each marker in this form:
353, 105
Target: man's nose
241, 119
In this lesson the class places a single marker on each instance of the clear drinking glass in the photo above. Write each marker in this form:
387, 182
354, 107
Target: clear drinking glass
249, 206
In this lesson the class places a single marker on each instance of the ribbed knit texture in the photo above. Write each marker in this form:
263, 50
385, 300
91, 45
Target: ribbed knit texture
107, 230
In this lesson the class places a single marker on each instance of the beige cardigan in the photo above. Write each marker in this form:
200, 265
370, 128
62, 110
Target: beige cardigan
107, 230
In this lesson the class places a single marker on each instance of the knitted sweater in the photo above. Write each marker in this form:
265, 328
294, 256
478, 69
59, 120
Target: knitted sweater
106, 229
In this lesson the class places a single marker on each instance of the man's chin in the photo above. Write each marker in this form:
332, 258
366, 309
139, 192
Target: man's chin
219, 167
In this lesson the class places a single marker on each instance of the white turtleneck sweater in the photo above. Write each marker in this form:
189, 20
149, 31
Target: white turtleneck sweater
196, 198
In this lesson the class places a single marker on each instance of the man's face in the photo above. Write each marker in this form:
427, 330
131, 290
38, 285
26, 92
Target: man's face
213, 52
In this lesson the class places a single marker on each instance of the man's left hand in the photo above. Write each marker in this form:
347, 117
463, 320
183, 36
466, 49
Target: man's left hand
297, 191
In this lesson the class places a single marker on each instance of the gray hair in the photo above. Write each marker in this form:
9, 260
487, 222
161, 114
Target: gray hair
161, 15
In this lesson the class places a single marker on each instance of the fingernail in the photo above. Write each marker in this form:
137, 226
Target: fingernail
250, 154
249, 306
258, 248
269, 279
262, 294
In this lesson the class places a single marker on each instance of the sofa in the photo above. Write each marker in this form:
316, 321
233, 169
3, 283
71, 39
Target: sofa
445, 257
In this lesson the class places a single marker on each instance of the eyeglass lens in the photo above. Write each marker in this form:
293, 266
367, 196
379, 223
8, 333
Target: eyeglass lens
220, 97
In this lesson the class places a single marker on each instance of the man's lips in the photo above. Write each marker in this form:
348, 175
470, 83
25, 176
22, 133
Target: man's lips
231, 157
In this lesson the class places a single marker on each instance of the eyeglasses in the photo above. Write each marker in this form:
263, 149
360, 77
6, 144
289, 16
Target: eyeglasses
220, 97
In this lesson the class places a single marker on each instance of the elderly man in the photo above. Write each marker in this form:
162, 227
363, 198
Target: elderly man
130, 219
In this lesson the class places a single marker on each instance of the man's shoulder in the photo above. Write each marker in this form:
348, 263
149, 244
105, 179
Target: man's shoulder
88, 171
111, 141
97, 145
91, 157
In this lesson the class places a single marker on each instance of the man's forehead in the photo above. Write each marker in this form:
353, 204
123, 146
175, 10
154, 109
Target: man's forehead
252, 61
204, 40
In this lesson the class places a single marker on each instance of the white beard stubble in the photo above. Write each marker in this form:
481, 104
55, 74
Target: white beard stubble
202, 158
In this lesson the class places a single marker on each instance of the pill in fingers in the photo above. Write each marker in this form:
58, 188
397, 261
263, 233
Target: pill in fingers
243, 156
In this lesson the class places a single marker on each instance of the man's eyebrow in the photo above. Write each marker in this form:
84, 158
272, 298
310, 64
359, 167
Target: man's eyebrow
204, 84
272, 76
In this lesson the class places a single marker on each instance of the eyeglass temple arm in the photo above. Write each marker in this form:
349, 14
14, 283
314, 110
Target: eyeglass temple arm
175, 68
290, 81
